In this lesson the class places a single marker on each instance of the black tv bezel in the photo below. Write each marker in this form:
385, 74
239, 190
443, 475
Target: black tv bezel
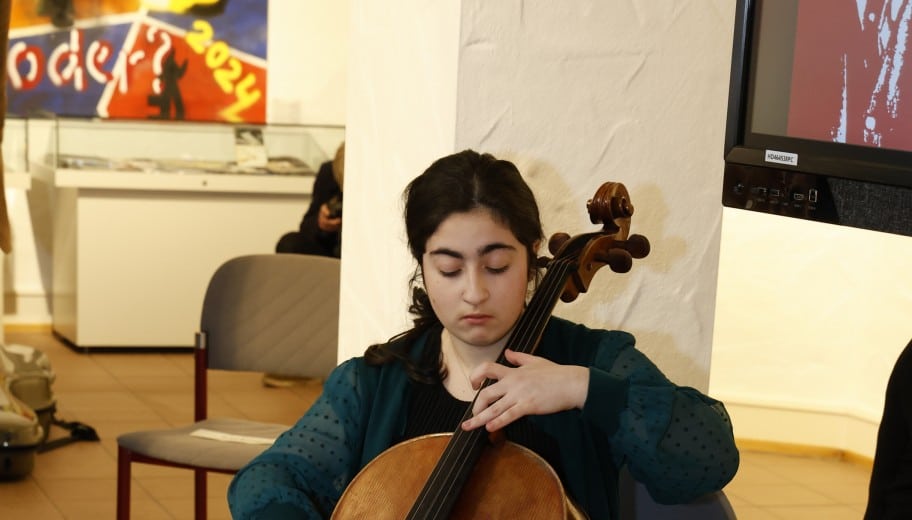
838, 160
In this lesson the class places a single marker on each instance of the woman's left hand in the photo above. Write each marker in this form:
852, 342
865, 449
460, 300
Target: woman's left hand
536, 386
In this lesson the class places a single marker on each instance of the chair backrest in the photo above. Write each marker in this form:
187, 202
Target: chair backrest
273, 313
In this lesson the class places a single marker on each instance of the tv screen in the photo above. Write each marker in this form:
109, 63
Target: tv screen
820, 111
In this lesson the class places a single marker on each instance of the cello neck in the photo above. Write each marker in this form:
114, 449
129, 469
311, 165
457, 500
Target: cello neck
442, 488
531, 324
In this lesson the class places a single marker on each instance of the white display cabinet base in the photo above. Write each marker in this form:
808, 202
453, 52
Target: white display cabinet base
132, 259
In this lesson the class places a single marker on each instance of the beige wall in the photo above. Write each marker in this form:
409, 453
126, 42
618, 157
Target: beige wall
810, 319
577, 95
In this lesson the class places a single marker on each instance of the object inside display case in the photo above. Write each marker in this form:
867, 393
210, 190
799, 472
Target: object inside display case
274, 165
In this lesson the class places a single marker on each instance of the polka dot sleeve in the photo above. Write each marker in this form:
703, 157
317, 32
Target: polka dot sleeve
309, 466
675, 440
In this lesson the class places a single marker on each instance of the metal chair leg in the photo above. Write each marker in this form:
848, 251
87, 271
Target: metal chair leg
124, 459
199, 494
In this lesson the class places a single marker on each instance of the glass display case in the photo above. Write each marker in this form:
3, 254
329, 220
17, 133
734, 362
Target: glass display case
207, 156
145, 212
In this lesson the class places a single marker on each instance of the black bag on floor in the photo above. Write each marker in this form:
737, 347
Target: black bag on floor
27, 410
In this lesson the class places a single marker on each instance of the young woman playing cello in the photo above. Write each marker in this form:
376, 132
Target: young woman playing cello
587, 401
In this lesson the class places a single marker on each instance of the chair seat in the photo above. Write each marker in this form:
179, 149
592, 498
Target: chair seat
178, 446
266, 313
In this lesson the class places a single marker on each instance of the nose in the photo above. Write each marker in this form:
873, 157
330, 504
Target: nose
476, 288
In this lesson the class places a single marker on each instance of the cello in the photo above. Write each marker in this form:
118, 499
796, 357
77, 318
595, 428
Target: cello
474, 474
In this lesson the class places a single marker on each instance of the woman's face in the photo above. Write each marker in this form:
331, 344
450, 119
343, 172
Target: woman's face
476, 274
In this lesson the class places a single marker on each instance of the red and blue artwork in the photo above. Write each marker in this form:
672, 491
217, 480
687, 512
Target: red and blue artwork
171, 60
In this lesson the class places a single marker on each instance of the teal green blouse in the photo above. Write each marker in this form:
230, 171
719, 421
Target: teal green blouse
675, 440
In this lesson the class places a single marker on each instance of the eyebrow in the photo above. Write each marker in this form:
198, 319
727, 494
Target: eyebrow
481, 251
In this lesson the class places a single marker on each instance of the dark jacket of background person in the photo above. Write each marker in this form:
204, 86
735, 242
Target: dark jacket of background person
310, 239
890, 492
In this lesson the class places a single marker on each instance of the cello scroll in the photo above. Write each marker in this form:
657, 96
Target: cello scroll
612, 246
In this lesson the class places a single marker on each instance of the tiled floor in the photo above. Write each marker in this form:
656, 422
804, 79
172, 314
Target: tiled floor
119, 392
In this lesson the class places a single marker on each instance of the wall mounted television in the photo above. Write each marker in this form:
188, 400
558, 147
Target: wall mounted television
819, 120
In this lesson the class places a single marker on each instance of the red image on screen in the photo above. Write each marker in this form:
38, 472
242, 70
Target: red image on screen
850, 80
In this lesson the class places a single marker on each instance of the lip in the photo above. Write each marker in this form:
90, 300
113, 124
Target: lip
476, 319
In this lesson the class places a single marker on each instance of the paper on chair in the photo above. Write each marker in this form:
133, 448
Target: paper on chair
230, 437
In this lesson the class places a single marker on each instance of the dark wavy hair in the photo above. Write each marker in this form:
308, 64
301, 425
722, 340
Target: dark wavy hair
457, 183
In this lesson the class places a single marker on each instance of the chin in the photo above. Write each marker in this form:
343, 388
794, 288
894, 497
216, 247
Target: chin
483, 340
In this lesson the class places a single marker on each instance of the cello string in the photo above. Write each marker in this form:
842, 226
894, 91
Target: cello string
456, 456
524, 339
528, 329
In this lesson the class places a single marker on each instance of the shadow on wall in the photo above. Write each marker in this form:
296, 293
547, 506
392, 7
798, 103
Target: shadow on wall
614, 297
651, 215
677, 363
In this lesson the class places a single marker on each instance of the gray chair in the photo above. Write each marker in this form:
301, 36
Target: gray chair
636, 504
275, 313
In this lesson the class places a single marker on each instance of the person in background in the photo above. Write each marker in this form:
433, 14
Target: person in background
890, 490
587, 402
320, 232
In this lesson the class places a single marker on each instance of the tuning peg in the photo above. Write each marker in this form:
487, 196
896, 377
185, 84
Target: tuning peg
618, 260
556, 241
637, 245
620, 257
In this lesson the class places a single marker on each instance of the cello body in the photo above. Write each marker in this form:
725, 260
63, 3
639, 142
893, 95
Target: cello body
526, 486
